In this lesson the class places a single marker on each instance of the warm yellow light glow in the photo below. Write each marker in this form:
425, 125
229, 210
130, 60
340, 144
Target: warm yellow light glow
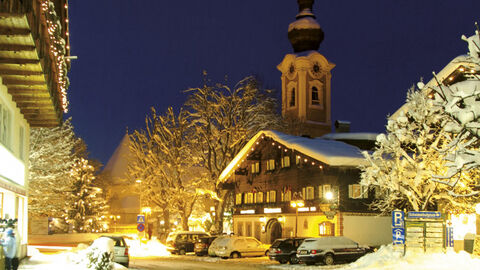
329, 195
118, 217
463, 224
263, 219
297, 204
281, 219
146, 210
138, 181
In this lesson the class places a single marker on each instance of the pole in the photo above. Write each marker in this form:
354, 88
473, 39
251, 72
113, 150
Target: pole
296, 220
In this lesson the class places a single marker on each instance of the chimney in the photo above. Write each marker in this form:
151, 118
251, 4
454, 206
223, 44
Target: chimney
342, 126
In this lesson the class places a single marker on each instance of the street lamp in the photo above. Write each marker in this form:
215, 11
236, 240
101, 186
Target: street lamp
114, 218
296, 205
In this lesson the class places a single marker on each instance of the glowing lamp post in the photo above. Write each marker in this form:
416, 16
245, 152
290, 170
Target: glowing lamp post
115, 218
296, 205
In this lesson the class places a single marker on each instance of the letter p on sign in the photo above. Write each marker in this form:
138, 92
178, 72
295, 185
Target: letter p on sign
397, 218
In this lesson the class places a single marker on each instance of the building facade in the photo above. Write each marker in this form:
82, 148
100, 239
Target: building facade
34, 61
286, 186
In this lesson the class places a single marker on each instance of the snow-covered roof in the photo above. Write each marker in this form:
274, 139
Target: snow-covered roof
361, 136
333, 153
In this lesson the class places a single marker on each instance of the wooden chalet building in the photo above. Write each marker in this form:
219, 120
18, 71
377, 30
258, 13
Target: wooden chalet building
275, 169
34, 49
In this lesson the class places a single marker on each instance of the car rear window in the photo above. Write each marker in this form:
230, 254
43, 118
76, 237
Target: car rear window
277, 243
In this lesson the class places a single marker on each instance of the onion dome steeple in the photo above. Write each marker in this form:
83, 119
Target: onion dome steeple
305, 33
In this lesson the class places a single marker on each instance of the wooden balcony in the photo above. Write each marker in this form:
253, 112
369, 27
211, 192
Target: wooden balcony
34, 61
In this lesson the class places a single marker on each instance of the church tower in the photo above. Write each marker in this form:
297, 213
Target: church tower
306, 76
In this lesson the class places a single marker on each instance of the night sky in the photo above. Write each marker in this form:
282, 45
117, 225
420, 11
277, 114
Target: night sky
134, 54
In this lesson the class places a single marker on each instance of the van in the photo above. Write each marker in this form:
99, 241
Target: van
182, 242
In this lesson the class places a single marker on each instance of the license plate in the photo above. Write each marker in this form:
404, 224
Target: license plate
303, 252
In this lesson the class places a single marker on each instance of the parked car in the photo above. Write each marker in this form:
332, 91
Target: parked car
201, 246
329, 250
285, 250
215, 245
120, 250
183, 241
238, 246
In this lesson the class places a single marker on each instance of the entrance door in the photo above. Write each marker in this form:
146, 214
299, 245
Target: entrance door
274, 230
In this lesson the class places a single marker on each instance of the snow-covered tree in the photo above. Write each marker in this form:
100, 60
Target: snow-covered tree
430, 156
52, 155
163, 160
224, 120
85, 207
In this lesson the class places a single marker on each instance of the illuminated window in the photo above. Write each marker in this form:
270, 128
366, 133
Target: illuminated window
249, 198
238, 198
326, 229
259, 197
256, 167
326, 189
4, 126
270, 164
357, 191
310, 193
287, 196
271, 196
320, 191
286, 161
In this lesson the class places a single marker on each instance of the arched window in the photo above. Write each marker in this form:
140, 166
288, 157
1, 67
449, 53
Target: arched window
326, 228
291, 100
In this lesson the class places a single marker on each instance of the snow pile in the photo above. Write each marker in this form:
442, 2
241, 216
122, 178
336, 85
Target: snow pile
148, 249
387, 258
78, 259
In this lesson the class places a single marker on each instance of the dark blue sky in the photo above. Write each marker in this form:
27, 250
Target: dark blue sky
133, 54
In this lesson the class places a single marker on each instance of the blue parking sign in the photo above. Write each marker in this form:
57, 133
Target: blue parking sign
398, 218
398, 235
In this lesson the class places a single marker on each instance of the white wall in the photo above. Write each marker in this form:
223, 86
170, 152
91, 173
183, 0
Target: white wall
368, 230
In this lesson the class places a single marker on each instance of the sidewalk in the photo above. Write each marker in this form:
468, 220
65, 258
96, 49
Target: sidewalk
37, 263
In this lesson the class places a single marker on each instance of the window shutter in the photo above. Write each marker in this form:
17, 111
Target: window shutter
350, 191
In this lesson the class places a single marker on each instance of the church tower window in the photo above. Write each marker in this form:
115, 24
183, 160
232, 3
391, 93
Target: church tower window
315, 98
291, 102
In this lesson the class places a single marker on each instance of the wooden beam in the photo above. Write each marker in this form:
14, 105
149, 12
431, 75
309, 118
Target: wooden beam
42, 117
34, 105
29, 98
8, 81
18, 61
19, 72
16, 47
11, 15
37, 111
14, 31
40, 123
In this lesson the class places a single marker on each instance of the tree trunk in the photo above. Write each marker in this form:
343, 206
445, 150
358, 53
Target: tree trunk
166, 225
220, 209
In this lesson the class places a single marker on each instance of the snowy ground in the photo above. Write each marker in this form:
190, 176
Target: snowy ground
384, 259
